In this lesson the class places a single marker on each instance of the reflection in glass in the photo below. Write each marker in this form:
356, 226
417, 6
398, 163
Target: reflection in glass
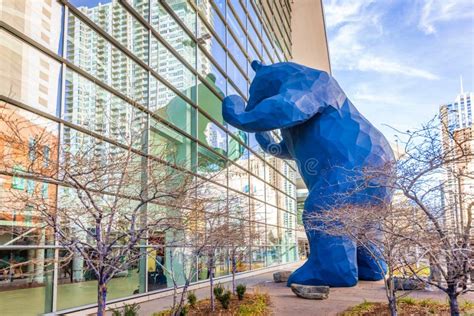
28, 75
172, 32
97, 56
88, 105
39, 20
237, 77
113, 18
170, 68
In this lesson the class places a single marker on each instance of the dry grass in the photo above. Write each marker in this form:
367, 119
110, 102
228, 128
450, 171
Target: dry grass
254, 304
407, 307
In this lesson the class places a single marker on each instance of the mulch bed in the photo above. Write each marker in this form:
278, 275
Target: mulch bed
253, 304
404, 309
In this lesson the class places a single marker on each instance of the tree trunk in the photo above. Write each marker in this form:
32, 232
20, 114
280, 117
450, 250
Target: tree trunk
453, 303
392, 304
211, 282
101, 298
181, 301
234, 270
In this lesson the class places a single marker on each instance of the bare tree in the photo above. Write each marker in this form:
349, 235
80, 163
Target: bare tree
104, 198
435, 173
384, 231
432, 179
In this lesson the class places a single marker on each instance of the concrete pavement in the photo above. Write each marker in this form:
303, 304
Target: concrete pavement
284, 302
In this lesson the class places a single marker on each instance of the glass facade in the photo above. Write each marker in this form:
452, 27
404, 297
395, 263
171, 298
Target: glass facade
80, 69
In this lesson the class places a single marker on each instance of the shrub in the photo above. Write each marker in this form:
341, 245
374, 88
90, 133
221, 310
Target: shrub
257, 306
116, 312
224, 298
407, 301
241, 288
218, 290
184, 311
192, 299
128, 310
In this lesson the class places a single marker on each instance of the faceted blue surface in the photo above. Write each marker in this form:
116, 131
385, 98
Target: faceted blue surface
331, 143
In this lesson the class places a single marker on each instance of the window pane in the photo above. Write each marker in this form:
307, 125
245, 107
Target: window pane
28, 75
170, 68
40, 20
171, 107
172, 32
94, 54
90, 106
113, 18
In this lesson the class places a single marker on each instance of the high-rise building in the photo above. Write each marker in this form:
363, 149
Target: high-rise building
89, 69
457, 139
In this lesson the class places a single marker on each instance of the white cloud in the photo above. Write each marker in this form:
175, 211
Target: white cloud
378, 64
337, 11
355, 26
435, 11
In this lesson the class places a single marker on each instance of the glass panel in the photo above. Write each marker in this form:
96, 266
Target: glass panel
237, 77
26, 281
254, 18
257, 166
237, 151
234, 25
170, 145
94, 54
78, 286
239, 179
170, 68
240, 11
172, 32
221, 4
185, 12
113, 18
171, 107
212, 135
157, 260
258, 257
222, 262
40, 20
257, 188
273, 215
209, 102
270, 193
211, 73
257, 211
88, 105
211, 165
141, 6
28, 148
27, 75
239, 208
210, 14
237, 52
274, 235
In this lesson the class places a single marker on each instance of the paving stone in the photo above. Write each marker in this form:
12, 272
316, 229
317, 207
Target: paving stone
311, 292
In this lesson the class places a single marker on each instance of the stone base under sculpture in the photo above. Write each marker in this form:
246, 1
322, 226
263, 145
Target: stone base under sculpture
281, 276
407, 284
310, 292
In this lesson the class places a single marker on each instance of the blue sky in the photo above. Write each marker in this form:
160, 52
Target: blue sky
399, 60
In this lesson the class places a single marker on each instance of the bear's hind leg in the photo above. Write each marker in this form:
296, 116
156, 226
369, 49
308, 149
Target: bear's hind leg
332, 261
371, 265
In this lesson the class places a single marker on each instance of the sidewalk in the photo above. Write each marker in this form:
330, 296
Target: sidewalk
284, 302
150, 307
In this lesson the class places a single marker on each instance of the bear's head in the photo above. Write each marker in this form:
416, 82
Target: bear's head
282, 95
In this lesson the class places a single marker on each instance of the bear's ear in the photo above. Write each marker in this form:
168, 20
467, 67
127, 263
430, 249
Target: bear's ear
256, 65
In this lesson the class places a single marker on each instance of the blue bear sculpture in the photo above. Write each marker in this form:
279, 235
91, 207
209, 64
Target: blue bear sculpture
330, 141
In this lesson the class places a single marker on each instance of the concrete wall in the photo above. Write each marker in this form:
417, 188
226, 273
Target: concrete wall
309, 34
